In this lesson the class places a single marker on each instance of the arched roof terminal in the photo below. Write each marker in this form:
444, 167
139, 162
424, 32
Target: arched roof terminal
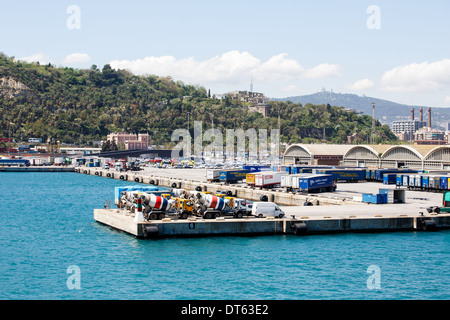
413, 156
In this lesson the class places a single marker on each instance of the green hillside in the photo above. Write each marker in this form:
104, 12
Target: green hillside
81, 106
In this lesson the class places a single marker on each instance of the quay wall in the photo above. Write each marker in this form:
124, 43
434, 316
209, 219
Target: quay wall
166, 228
253, 194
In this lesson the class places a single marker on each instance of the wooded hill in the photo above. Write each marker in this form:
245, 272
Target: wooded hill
81, 106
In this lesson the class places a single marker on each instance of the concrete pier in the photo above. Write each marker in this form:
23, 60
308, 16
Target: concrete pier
331, 213
195, 227
240, 191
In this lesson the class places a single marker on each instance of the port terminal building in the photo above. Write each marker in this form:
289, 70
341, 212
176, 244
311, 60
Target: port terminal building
421, 157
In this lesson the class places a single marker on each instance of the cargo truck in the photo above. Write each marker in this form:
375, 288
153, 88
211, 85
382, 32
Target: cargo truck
212, 175
250, 179
445, 204
255, 168
347, 175
232, 176
378, 173
314, 183
268, 179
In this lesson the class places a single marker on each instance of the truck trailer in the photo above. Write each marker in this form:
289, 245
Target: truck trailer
314, 183
269, 179
232, 176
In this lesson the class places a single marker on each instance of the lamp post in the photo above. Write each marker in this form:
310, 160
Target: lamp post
188, 120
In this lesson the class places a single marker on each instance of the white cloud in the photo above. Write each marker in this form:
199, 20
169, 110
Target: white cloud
417, 77
324, 70
231, 67
278, 67
290, 88
76, 58
447, 100
37, 57
362, 84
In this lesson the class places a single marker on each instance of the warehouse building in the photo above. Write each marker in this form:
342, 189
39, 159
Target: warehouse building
315, 154
422, 157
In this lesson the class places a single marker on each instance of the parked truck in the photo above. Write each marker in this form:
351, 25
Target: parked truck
209, 206
347, 175
268, 179
232, 176
445, 208
212, 175
314, 183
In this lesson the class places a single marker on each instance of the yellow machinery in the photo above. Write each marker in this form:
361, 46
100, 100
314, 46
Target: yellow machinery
183, 207
53, 146
231, 201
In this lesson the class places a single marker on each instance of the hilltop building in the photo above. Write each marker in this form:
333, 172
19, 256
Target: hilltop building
129, 140
258, 101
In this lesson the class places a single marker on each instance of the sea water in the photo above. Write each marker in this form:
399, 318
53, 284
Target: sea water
51, 248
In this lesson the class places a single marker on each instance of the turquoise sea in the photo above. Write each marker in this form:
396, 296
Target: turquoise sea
47, 231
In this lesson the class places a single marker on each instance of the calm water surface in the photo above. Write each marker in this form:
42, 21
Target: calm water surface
47, 226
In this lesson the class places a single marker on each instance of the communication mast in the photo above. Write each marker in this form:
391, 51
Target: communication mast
373, 122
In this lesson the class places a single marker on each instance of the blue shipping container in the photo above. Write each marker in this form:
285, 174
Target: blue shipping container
375, 198
232, 175
344, 174
425, 182
389, 178
444, 183
399, 180
379, 173
258, 168
315, 182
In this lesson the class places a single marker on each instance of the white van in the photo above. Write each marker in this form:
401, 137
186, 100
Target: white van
263, 209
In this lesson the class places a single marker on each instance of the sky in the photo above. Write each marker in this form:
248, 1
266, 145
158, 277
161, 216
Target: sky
394, 50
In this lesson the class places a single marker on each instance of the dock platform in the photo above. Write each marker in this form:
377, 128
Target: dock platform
196, 227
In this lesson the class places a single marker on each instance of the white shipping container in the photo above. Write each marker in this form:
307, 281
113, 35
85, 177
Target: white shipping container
264, 179
286, 179
212, 175
59, 161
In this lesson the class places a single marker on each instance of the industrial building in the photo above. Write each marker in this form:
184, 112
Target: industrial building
315, 154
422, 157
405, 129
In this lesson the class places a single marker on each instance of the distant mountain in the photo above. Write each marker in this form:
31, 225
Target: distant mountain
385, 111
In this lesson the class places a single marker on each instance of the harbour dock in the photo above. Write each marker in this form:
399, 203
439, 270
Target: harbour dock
123, 220
336, 212
192, 182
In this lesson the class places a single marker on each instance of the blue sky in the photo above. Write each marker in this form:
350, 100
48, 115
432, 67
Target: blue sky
288, 47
